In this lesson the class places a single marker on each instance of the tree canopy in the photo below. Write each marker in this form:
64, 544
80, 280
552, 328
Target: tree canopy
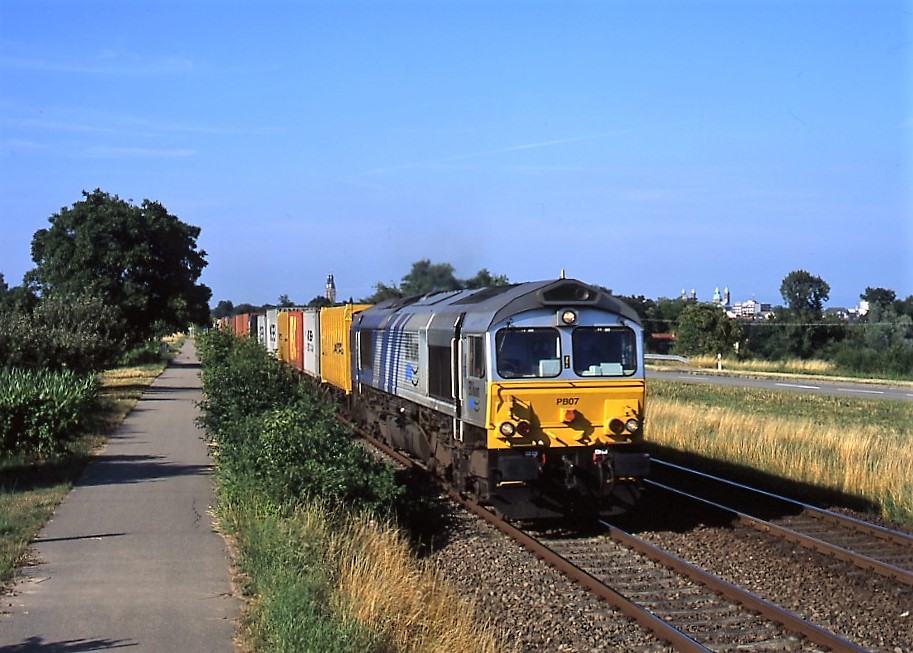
804, 295
426, 277
141, 260
705, 329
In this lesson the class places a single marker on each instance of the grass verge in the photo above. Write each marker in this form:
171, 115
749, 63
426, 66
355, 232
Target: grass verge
316, 581
312, 515
855, 447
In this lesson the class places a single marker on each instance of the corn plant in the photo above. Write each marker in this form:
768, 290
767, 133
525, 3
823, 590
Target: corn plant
39, 409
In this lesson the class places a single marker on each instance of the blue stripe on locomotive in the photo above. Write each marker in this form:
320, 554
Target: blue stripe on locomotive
392, 350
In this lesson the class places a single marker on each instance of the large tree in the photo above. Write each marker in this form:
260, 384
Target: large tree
805, 295
804, 334
139, 259
427, 277
705, 329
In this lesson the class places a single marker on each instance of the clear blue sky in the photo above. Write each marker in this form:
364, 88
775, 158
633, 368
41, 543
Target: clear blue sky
643, 145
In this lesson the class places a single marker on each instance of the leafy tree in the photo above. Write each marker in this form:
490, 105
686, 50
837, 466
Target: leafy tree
18, 299
382, 292
484, 279
881, 297
705, 329
223, 309
139, 259
804, 295
80, 333
426, 277
285, 302
319, 301
240, 309
3, 286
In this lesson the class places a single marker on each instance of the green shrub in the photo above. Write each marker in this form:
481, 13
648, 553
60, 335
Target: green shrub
40, 408
61, 332
304, 453
275, 437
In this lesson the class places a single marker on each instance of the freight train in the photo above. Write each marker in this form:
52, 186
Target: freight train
528, 397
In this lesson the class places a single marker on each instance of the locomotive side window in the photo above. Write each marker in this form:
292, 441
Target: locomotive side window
440, 372
365, 349
604, 351
528, 353
475, 364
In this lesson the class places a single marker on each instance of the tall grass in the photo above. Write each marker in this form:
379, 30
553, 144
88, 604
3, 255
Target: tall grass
380, 583
862, 448
320, 582
786, 366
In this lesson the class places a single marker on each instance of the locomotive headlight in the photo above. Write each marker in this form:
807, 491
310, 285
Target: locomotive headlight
567, 317
523, 428
507, 429
632, 425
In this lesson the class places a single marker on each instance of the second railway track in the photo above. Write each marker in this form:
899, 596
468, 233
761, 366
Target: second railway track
885, 551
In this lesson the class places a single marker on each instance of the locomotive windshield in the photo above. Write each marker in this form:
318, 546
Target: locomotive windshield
528, 353
604, 351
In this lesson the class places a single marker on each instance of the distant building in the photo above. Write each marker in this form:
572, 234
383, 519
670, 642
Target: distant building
330, 289
750, 310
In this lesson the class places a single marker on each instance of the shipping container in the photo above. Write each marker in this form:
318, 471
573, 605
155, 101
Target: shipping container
272, 331
239, 325
335, 344
296, 339
282, 336
312, 342
261, 329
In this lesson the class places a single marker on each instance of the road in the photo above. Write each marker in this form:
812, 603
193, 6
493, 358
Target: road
838, 388
130, 558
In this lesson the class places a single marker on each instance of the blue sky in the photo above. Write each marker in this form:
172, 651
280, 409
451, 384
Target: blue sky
646, 146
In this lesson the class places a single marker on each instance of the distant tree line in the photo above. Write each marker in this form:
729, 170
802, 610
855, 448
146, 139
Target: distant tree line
878, 344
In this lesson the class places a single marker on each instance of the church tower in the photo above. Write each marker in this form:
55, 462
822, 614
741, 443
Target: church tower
330, 289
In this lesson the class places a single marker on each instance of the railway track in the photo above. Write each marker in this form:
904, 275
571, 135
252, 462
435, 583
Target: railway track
868, 546
679, 603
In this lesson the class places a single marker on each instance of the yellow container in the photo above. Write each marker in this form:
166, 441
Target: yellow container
336, 344
282, 329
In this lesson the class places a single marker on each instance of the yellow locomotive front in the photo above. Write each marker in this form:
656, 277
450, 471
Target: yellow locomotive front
564, 412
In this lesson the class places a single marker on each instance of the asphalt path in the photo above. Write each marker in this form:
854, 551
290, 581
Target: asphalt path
838, 388
130, 559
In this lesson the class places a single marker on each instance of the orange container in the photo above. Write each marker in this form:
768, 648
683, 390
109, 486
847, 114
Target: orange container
296, 339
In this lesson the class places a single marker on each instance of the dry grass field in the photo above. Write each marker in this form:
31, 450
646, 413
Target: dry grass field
858, 447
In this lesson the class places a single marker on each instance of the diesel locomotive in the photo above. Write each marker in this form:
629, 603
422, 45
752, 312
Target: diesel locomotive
529, 397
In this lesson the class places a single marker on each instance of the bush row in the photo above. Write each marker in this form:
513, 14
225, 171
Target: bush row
39, 409
61, 332
276, 438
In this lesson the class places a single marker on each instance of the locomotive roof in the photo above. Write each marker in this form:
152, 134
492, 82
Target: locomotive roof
487, 306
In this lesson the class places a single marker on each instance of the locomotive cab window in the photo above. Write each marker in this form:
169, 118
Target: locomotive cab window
528, 353
604, 351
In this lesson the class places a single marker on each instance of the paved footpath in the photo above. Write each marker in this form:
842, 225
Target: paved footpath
130, 559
